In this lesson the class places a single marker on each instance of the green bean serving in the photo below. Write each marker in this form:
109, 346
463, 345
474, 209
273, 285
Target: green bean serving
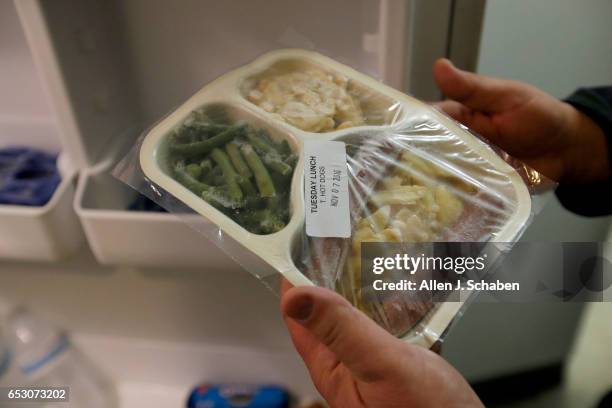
235, 167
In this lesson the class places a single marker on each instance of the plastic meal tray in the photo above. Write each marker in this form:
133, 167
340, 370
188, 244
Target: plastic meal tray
276, 249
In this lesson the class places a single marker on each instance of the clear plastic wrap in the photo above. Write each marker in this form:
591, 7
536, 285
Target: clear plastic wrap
230, 161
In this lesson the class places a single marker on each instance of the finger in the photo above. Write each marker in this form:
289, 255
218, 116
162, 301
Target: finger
477, 92
316, 356
319, 360
476, 121
455, 110
285, 286
342, 329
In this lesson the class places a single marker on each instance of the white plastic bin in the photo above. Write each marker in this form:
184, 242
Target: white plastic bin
47, 233
134, 238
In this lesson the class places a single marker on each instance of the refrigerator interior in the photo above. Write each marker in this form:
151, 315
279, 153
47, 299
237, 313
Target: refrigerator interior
154, 304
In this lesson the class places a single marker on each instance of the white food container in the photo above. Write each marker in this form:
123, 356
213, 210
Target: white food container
276, 249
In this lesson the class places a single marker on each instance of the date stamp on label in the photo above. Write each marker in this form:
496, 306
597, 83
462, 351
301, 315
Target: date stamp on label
34, 394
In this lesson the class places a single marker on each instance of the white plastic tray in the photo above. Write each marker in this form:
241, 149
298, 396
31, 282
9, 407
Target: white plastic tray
137, 238
275, 249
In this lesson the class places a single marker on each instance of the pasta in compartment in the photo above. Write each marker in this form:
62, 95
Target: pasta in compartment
415, 201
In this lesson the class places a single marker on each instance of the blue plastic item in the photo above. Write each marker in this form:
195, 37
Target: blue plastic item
238, 396
27, 176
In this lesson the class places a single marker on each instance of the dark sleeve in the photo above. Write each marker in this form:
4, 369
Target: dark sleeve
594, 199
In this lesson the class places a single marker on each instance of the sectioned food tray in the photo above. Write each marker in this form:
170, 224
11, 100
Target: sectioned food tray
415, 174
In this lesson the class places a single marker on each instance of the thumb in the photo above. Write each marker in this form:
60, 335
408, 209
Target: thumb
345, 331
477, 92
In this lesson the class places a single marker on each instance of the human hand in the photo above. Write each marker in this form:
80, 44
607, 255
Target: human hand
549, 135
355, 363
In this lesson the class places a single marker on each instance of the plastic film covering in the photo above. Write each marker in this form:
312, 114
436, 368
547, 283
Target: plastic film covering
230, 162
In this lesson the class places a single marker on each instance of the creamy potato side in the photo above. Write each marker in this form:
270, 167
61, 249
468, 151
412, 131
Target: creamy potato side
312, 100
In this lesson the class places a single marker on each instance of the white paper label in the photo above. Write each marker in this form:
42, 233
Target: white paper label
326, 190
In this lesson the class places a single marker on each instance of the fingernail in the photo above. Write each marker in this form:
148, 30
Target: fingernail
300, 308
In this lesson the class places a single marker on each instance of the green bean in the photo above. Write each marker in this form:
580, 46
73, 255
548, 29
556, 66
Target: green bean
190, 150
277, 203
255, 202
262, 177
282, 183
275, 163
236, 157
271, 225
198, 132
284, 148
217, 174
229, 174
270, 154
208, 131
262, 221
186, 179
247, 187
220, 198
269, 222
213, 177
212, 128
261, 143
292, 159
206, 165
265, 135
194, 170
279, 206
